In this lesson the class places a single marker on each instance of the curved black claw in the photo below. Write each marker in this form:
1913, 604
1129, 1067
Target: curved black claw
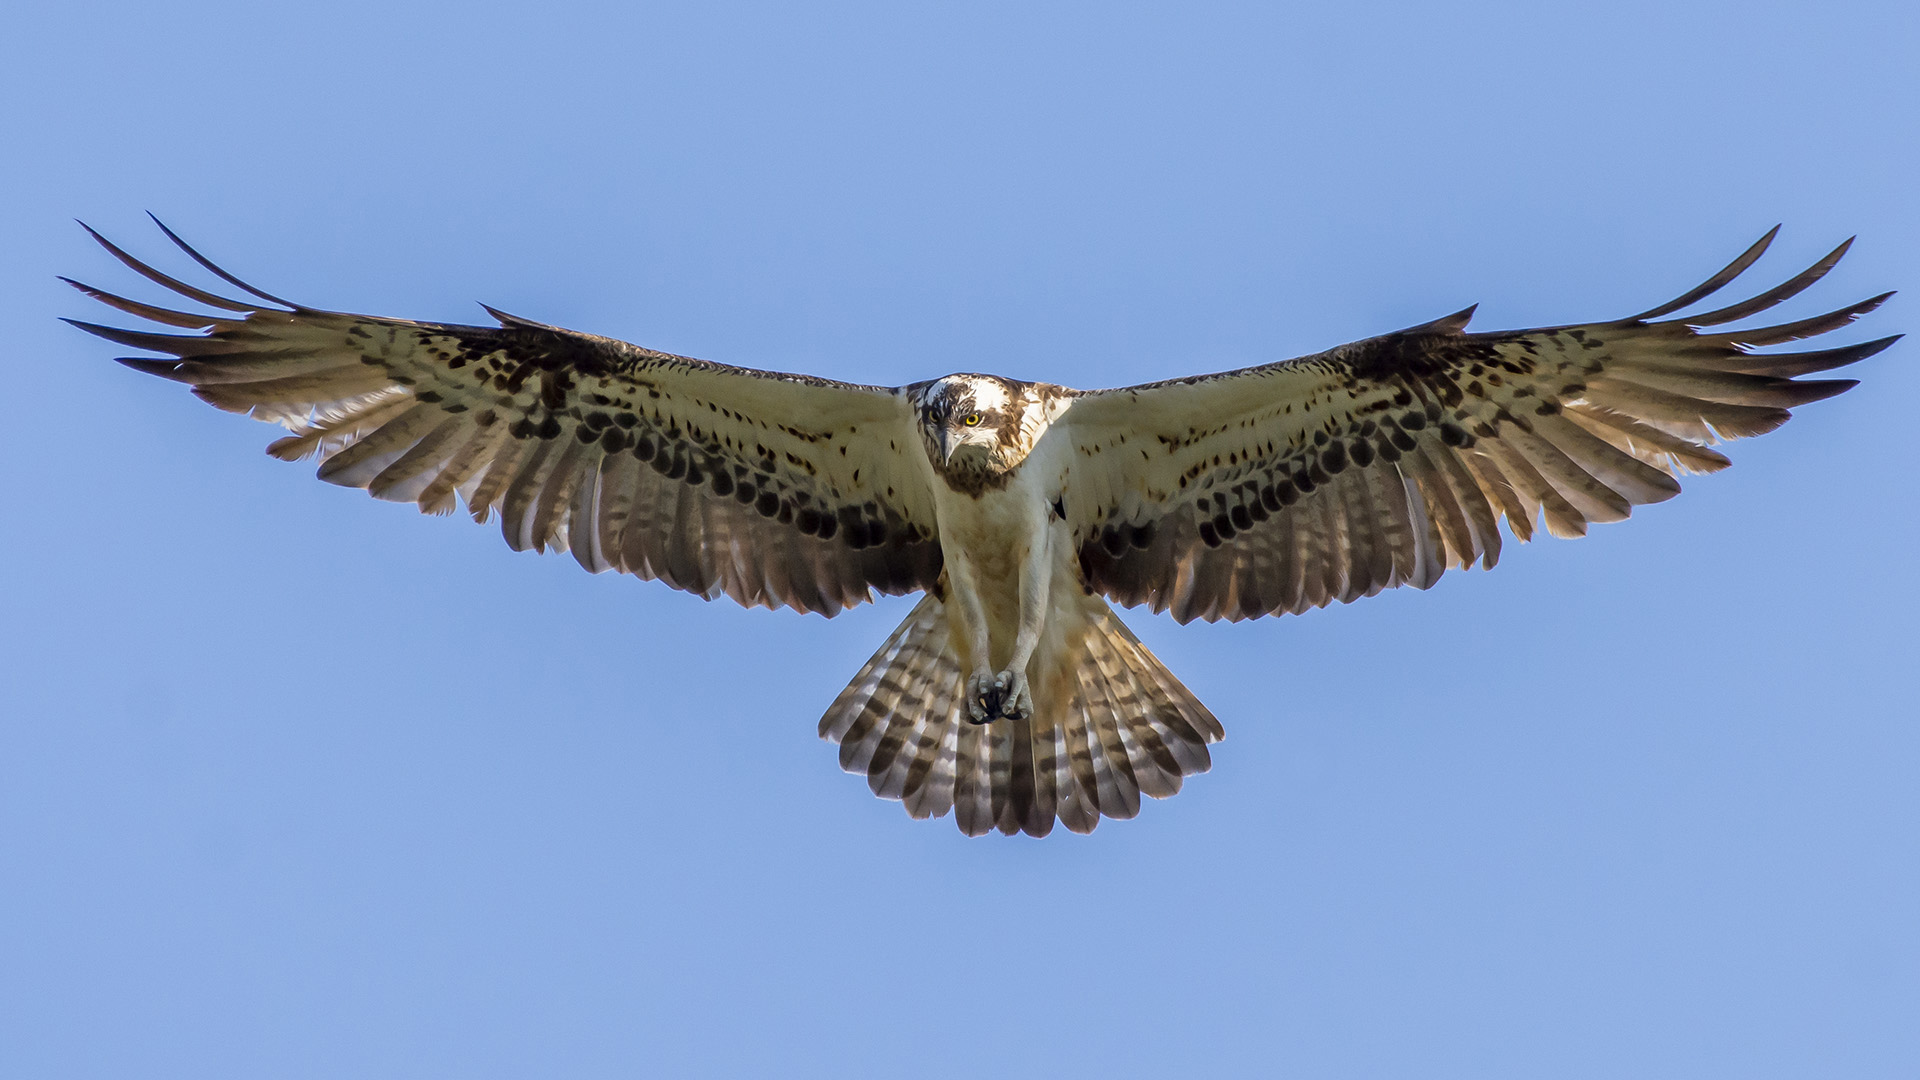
998, 704
993, 699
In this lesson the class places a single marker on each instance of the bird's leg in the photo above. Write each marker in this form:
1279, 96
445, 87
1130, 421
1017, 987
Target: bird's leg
983, 698
1015, 696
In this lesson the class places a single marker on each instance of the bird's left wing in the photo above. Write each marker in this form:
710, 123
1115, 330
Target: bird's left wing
1287, 486
773, 489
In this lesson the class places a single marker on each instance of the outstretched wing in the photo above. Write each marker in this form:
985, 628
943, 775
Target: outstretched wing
1384, 462
776, 490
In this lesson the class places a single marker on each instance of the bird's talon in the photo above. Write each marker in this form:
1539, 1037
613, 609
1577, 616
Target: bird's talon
997, 697
982, 700
992, 703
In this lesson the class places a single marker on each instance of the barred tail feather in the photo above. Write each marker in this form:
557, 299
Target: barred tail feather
1113, 725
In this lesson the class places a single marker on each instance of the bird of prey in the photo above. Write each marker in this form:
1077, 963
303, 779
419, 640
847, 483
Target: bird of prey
1011, 696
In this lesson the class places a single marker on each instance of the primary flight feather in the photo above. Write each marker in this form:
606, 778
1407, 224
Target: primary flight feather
1011, 696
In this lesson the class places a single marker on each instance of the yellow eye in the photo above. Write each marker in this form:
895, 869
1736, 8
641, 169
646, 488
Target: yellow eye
972, 419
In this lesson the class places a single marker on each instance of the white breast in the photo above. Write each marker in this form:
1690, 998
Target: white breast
995, 533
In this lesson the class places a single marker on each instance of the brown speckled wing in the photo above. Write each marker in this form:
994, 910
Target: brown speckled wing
1384, 462
776, 490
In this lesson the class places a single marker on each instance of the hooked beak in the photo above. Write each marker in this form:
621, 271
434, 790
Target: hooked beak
946, 445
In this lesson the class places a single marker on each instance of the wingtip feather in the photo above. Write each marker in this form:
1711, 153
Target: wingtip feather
1713, 284
215, 270
1786, 290
164, 280
1821, 389
166, 369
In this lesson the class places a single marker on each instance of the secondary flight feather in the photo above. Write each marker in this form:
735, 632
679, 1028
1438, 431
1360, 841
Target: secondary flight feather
1011, 696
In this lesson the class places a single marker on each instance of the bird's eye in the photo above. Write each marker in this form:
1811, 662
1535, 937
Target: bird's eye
972, 419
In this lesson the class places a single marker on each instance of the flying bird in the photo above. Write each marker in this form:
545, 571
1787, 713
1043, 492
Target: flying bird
1011, 696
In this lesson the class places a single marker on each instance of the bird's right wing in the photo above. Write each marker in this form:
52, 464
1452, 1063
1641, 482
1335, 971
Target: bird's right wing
776, 490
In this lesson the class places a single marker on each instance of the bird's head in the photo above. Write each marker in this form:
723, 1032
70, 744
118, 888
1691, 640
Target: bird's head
974, 423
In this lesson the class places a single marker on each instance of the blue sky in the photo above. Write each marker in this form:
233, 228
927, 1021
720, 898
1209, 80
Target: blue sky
294, 783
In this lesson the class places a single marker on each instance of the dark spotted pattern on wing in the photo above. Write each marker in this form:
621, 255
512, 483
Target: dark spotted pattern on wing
1384, 462
773, 489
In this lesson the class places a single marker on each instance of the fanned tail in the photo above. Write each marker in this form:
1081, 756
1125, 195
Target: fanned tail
1109, 725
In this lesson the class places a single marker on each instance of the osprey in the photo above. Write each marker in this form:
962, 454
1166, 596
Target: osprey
1011, 696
